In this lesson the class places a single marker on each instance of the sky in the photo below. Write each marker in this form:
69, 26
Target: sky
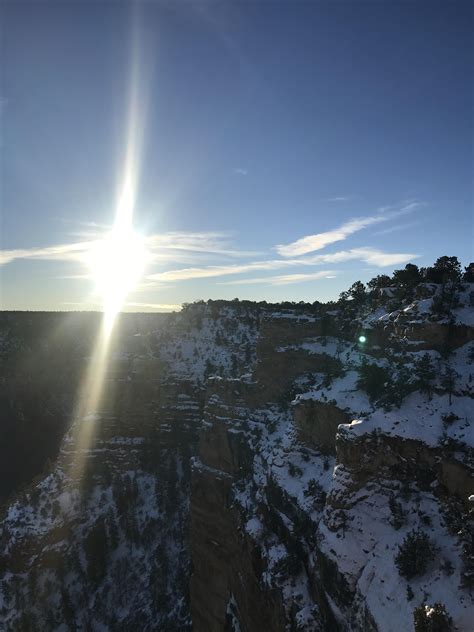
281, 150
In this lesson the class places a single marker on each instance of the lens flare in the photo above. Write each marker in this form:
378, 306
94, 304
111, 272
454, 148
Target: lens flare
116, 264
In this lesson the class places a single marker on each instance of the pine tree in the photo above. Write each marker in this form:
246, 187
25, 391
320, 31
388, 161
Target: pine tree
425, 373
357, 292
432, 618
468, 276
445, 269
414, 554
373, 379
380, 281
448, 381
408, 278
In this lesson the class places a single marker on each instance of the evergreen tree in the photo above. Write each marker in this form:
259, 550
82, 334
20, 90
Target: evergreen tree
357, 293
432, 618
380, 281
414, 554
445, 269
448, 381
425, 373
468, 276
373, 379
407, 278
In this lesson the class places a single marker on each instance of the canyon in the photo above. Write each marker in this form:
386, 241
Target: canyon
242, 470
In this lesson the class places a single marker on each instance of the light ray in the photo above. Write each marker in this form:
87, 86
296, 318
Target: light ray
117, 263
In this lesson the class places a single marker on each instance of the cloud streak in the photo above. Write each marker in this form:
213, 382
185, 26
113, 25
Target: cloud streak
396, 228
176, 246
206, 242
189, 249
371, 256
61, 252
318, 241
286, 279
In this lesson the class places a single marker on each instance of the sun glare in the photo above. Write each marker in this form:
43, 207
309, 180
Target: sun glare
117, 264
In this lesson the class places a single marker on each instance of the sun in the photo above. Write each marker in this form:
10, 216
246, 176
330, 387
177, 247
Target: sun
117, 264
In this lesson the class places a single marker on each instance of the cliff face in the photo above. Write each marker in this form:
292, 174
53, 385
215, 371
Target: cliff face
316, 538
101, 541
253, 468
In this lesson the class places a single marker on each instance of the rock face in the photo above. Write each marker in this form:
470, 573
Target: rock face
241, 470
317, 423
102, 539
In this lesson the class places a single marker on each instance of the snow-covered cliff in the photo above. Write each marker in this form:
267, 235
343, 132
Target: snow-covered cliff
292, 467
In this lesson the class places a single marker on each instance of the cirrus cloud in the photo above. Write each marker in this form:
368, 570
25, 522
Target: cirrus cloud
318, 241
371, 256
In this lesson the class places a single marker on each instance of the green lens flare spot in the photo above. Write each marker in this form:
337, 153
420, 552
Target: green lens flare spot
362, 339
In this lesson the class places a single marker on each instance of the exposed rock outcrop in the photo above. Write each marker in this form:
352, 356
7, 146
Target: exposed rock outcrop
317, 423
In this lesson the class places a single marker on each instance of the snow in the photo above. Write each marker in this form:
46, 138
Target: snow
254, 527
353, 526
344, 391
419, 419
366, 549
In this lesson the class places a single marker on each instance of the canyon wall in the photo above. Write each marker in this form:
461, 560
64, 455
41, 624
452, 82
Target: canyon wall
240, 471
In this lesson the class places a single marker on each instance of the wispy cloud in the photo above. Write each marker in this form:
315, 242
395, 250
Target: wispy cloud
371, 256
85, 223
192, 249
217, 271
61, 252
161, 247
376, 257
318, 241
286, 279
160, 307
396, 228
342, 198
239, 171
218, 243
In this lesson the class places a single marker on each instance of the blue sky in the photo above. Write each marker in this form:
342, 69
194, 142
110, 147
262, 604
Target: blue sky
287, 148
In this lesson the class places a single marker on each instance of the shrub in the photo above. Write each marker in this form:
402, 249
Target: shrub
315, 491
414, 554
271, 426
450, 418
294, 470
373, 379
432, 618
